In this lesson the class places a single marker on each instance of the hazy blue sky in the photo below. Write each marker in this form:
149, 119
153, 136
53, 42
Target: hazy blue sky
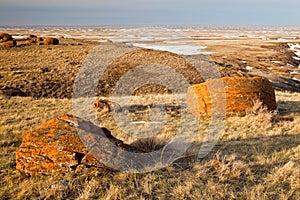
150, 12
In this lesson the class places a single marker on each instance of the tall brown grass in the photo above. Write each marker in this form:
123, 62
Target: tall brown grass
257, 157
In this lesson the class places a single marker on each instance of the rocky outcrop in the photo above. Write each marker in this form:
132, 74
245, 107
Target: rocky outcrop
9, 44
235, 94
55, 147
51, 41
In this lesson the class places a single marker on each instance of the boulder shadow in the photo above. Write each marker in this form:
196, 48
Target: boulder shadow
288, 107
247, 151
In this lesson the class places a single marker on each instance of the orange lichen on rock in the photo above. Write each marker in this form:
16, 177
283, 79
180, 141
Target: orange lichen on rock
56, 146
230, 96
49, 41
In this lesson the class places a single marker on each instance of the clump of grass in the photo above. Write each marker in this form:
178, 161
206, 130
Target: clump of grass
149, 144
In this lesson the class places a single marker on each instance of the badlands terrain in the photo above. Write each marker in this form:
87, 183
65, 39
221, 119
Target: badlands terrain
257, 156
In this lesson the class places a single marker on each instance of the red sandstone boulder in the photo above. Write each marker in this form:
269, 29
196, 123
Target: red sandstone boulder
5, 37
39, 40
236, 94
31, 39
55, 147
9, 44
49, 41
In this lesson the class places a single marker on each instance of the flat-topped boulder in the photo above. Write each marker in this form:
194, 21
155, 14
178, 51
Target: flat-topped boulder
56, 147
233, 95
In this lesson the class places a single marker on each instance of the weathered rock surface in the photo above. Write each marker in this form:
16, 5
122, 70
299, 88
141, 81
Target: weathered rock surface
236, 94
51, 41
56, 147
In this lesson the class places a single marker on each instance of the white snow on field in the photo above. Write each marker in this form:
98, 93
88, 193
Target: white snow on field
296, 58
19, 37
276, 61
249, 68
178, 49
295, 48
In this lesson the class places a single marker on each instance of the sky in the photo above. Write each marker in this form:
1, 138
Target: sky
150, 12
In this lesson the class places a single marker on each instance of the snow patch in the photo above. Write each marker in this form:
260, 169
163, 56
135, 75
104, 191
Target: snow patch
276, 61
249, 68
178, 49
19, 37
296, 58
295, 48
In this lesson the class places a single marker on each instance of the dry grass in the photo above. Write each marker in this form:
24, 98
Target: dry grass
257, 157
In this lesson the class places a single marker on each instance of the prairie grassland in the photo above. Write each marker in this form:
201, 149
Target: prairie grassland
257, 157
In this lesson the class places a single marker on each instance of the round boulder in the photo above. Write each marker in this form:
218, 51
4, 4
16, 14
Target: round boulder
39, 40
51, 41
230, 95
59, 148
